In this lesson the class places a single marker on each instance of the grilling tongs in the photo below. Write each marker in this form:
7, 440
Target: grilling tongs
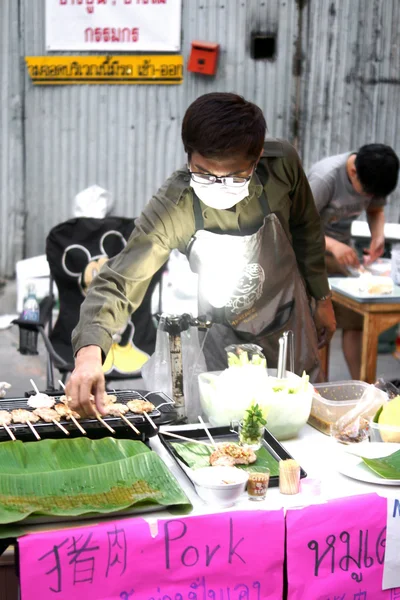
283, 352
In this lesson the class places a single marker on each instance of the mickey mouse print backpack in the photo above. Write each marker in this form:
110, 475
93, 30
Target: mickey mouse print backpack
76, 250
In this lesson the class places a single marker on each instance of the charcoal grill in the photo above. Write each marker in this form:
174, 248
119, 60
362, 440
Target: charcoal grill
163, 414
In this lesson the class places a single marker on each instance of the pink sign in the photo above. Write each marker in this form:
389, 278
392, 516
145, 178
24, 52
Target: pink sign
335, 551
228, 556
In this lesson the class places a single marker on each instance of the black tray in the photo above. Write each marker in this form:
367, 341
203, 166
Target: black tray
94, 429
224, 434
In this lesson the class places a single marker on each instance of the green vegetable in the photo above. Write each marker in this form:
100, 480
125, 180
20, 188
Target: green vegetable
240, 358
287, 386
253, 424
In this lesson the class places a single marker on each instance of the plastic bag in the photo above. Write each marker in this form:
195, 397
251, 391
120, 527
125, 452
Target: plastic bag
156, 372
353, 425
4, 386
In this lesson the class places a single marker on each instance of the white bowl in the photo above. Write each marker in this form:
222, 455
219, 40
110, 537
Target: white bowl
210, 486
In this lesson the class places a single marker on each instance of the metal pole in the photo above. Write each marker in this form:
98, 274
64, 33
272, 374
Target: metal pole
175, 349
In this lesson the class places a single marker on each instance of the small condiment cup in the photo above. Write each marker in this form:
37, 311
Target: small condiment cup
257, 485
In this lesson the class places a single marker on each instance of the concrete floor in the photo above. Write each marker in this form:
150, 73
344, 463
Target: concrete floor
17, 369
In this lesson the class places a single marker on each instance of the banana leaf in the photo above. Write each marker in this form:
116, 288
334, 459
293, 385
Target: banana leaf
387, 467
197, 456
80, 476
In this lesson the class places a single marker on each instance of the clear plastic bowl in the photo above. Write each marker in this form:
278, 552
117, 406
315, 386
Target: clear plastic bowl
287, 413
332, 401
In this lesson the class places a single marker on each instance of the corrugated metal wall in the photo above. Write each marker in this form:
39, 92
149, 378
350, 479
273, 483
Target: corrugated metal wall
11, 149
351, 79
127, 138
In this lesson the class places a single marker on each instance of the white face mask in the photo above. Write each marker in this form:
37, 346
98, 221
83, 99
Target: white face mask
218, 195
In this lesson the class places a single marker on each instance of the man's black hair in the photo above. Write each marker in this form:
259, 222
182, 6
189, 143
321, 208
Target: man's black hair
377, 167
219, 125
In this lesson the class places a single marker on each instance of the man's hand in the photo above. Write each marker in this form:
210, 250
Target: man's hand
325, 321
344, 254
86, 379
375, 250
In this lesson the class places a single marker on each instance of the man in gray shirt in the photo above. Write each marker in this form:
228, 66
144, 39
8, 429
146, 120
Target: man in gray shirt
344, 186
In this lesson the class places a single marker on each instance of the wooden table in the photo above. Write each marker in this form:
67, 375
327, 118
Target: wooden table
378, 317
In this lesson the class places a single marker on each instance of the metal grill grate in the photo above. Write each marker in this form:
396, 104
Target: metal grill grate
123, 396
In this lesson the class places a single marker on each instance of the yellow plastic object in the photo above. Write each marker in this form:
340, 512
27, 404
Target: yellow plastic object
390, 417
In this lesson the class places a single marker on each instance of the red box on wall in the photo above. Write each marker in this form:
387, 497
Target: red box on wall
203, 58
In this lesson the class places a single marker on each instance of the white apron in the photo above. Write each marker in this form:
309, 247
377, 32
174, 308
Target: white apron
251, 288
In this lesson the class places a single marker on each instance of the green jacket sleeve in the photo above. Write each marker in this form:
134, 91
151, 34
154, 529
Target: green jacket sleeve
119, 288
306, 230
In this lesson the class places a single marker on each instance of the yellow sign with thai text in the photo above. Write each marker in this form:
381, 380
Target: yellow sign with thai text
158, 69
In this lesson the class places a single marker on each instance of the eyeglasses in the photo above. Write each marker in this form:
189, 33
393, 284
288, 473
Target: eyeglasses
208, 179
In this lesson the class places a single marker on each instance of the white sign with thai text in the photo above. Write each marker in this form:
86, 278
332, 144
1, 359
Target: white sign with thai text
115, 25
391, 566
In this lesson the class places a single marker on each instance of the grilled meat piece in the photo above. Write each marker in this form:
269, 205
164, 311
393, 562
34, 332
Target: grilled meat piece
47, 414
140, 406
20, 415
64, 411
242, 455
5, 417
117, 409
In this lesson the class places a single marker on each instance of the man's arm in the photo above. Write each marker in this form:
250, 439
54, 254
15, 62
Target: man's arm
376, 222
344, 254
118, 290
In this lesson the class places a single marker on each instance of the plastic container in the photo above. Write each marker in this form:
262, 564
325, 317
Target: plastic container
382, 266
396, 263
332, 401
220, 485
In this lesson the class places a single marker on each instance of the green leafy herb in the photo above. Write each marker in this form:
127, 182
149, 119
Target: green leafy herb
253, 424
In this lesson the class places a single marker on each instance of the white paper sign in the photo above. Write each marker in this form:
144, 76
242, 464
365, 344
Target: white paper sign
115, 25
391, 566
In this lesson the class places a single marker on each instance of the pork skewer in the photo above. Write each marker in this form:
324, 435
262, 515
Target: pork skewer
49, 415
98, 417
5, 420
118, 410
65, 411
39, 400
25, 417
142, 407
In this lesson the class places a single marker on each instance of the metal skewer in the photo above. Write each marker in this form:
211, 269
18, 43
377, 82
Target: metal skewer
181, 437
35, 433
281, 366
10, 433
210, 437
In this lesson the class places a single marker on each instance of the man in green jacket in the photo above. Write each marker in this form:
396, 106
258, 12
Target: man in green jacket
242, 211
